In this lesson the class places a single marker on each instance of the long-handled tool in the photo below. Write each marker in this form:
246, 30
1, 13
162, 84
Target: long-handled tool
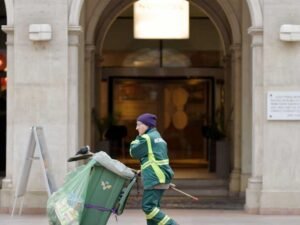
173, 187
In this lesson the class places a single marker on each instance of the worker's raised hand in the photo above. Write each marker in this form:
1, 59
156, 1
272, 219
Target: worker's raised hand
137, 172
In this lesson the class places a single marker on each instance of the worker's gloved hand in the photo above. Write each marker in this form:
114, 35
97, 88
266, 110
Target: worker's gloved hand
137, 172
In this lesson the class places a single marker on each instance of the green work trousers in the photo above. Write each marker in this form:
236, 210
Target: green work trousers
151, 207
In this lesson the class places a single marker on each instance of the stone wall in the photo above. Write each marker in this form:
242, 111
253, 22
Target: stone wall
37, 95
281, 168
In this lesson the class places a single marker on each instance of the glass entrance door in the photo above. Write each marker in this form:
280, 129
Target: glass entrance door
183, 108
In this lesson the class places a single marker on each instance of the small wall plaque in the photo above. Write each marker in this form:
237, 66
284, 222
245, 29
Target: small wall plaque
283, 105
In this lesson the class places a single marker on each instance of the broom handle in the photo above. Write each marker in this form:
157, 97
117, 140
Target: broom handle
172, 186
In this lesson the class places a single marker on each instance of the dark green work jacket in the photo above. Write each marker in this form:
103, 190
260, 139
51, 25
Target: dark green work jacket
151, 150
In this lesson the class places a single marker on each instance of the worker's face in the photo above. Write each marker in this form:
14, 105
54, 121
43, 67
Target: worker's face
141, 128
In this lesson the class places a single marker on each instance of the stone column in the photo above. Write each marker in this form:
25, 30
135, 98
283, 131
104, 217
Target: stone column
90, 91
227, 89
235, 177
7, 186
253, 191
73, 91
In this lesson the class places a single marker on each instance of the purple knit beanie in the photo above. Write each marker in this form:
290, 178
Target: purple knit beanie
148, 119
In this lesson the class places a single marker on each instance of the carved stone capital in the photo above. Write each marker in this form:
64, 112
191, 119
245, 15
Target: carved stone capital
9, 30
257, 36
74, 32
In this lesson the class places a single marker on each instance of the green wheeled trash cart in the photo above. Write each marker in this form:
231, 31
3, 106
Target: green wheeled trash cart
92, 193
107, 193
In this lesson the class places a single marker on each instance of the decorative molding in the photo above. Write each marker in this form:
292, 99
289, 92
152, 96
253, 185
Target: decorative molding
257, 36
236, 52
89, 51
226, 61
75, 12
9, 30
92, 24
255, 182
233, 20
74, 29
256, 13
7, 183
9, 5
256, 30
90, 48
74, 32
235, 47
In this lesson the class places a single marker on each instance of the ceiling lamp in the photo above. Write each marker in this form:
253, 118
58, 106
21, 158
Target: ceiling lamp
161, 19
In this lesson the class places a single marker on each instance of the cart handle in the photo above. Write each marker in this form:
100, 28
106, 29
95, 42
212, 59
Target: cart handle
121, 204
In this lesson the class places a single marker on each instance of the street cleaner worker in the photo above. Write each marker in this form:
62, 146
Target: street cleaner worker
151, 150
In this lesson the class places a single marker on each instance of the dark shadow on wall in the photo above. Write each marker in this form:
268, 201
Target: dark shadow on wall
3, 81
2, 132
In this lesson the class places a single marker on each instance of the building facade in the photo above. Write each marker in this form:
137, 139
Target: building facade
82, 70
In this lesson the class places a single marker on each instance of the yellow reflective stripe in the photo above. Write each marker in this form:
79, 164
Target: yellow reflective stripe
162, 162
152, 214
135, 142
145, 165
150, 151
164, 220
160, 175
158, 162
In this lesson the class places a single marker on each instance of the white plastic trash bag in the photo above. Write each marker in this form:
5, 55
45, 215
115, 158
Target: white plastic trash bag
113, 165
65, 206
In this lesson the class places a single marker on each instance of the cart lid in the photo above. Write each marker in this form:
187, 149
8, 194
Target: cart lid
113, 165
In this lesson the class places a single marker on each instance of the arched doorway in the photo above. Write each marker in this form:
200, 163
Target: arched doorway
205, 65
218, 18
95, 38
233, 38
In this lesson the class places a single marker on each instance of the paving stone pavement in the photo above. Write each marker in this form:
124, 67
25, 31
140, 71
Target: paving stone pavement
183, 217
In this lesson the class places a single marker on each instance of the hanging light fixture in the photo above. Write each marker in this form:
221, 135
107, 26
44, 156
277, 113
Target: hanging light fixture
161, 19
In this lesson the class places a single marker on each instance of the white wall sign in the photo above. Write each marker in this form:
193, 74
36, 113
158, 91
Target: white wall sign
283, 105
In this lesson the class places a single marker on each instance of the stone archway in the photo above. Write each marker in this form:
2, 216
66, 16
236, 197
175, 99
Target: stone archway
101, 21
76, 8
256, 12
231, 45
106, 12
230, 33
75, 12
